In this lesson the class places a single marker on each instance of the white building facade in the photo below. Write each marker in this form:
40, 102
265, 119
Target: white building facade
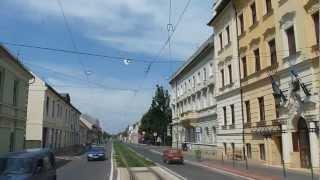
53, 122
192, 100
227, 91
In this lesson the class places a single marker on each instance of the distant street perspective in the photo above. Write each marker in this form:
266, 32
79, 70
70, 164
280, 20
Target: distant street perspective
159, 90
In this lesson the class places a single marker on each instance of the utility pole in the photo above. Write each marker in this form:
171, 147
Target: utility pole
240, 85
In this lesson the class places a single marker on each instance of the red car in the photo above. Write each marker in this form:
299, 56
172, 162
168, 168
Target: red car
172, 156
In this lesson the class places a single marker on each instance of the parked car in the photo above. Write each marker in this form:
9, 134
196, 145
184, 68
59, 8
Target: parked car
32, 164
96, 153
172, 156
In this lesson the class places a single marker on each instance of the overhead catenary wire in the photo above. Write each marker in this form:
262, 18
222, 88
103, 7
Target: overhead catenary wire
72, 77
174, 28
77, 52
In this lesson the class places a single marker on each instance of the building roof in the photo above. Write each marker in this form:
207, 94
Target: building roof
218, 8
209, 43
15, 60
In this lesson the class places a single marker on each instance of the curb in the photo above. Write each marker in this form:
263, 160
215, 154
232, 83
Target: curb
111, 161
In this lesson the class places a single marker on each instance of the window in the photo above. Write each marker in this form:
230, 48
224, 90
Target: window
232, 115
257, 59
295, 141
291, 41
228, 33
241, 21
220, 39
249, 153
47, 105
199, 77
233, 149
194, 81
222, 77
53, 109
225, 148
261, 108
277, 106
262, 152
315, 17
1, 84
273, 52
268, 6
15, 92
244, 66
225, 115
214, 132
230, 73
248, 111
253, 13
211, 70
204, 74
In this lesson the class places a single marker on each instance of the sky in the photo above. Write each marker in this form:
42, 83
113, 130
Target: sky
114, 92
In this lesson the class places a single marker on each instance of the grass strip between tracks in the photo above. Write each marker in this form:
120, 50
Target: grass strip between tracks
127, 158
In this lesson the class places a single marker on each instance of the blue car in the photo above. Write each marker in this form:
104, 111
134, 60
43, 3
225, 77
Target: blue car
96, 153
33, 164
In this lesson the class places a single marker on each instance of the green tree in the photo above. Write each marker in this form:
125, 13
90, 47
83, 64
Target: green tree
158, 117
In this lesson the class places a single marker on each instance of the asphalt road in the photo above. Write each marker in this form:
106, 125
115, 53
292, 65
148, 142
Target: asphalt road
188, 171
80, 169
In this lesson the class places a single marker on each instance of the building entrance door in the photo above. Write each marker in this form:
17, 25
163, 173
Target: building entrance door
304, 143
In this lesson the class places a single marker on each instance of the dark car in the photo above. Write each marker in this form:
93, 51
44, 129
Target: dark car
96, 153
172, 156
32, 164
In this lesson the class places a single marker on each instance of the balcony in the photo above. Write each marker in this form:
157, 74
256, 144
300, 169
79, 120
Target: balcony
232, 126
276, 123
247, 125
261, 123
189, 115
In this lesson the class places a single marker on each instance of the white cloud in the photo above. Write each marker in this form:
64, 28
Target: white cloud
129, 25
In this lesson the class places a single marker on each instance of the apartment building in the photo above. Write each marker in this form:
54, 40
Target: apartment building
228, 96
259, 58
192, 99
52, 122
14, 84
297, 34
95, 131
84, 131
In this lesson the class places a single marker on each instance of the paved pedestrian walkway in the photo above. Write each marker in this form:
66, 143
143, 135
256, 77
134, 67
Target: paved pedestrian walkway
254, 171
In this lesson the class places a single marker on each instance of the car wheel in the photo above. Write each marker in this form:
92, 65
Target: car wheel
168, 161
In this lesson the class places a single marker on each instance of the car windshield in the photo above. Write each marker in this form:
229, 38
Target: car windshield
97, 149
15, 166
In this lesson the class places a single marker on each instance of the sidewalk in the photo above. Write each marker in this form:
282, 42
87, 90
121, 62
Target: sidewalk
255, 170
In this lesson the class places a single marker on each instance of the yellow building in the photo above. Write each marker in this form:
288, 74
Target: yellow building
281, 120
258, 57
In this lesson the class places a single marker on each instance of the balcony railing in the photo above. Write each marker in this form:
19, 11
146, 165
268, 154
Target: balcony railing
261, 123
232, 126
247, 125
224, 127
